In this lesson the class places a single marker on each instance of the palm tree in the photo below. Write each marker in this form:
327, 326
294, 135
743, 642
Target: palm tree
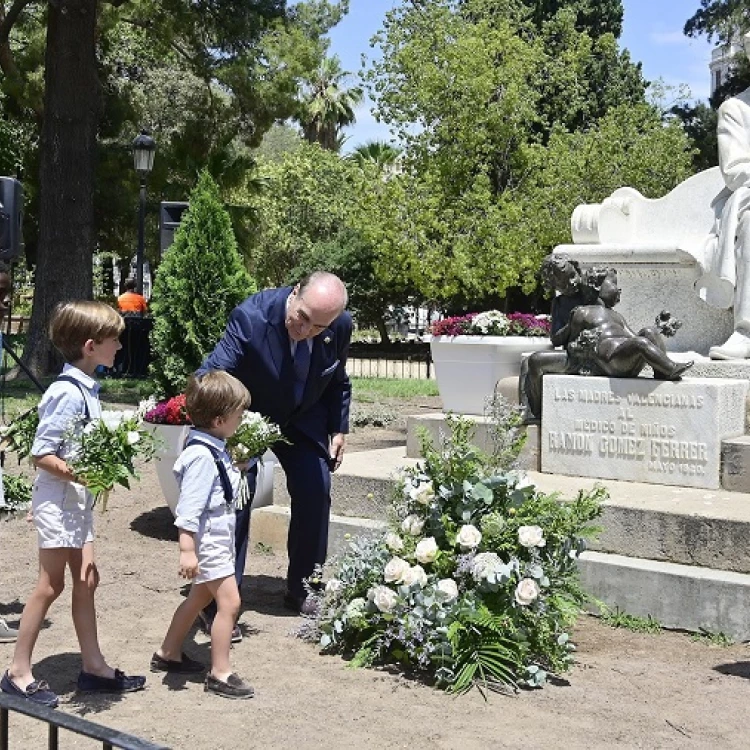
383, 155
327, 105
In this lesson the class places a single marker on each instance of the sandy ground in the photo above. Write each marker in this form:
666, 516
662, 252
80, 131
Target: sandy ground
626, 690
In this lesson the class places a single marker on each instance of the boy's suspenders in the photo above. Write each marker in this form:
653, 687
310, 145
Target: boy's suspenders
70, 379
226, 485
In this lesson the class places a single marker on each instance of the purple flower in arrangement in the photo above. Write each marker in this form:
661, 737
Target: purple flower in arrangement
526, 324
456, 326
492, 323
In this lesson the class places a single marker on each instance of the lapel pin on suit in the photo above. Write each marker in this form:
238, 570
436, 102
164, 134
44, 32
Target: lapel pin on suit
327, 340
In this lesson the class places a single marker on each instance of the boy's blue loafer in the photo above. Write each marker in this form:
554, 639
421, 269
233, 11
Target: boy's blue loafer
37, 692
120, 683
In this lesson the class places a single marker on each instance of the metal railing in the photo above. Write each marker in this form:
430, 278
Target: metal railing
56, 720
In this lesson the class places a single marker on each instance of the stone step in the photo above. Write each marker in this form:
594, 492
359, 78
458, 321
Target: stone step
685, 597
688, 526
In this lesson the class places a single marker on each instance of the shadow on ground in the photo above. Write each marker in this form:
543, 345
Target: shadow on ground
156, 524
265, 595
735, 669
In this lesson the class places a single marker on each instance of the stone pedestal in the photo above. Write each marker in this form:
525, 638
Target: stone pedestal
640, 429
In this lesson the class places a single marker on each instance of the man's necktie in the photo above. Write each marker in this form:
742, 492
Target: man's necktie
301, 368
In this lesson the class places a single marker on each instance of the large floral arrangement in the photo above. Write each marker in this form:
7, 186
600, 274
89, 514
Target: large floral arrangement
492, 323
169, 411
475, 582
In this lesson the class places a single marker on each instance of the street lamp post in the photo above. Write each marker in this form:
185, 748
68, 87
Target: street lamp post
144, 148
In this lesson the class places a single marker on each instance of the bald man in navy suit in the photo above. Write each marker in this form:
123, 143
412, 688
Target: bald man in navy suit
307, 393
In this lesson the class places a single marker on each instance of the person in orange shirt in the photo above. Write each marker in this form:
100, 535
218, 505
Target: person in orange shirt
130, 301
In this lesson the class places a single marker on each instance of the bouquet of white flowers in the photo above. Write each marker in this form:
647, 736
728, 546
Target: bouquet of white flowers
253, 438
105, 451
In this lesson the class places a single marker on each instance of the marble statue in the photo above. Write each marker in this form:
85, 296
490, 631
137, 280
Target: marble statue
726, 263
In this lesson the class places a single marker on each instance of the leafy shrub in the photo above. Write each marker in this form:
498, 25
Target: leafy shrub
17, 492
198, 284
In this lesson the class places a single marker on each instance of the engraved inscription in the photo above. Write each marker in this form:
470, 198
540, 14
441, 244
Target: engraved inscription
623, 436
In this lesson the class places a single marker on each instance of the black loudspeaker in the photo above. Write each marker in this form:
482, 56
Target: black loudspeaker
11, 218
170, 216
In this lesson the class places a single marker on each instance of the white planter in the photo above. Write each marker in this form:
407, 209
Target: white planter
174, 437
467, 368
264, 486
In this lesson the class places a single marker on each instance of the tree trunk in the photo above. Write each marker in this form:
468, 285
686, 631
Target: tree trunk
383, 331
66, 175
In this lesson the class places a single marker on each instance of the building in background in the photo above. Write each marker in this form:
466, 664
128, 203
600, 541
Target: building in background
723, 59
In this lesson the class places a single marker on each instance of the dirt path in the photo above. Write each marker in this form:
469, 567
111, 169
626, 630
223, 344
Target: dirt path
626, 690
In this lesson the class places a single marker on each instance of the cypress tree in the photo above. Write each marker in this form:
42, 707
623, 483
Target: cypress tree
199, 282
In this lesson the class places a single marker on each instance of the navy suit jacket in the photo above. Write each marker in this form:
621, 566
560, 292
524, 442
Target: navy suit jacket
256, 349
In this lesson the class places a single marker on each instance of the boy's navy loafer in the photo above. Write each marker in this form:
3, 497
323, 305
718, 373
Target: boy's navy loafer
235, 687
120, 683
186, 665
37, 692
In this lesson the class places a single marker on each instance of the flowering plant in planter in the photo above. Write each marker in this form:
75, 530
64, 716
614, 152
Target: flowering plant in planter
474, 584
170, 411
492, 323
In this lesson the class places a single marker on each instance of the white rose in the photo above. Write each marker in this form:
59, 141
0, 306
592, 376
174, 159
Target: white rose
356, 608
384, 598
415, 575
393, 542
531, 536
469, 537
395, 569
527, 591
426, 550
133, 437
424, 494
334, 586
447, 590
412, 525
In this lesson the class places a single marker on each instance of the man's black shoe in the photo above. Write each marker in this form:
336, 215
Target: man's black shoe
293, 602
